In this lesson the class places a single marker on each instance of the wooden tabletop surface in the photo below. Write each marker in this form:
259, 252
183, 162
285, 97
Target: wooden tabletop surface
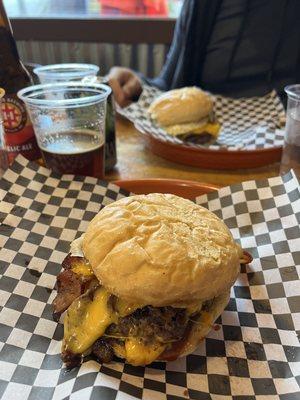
135, 161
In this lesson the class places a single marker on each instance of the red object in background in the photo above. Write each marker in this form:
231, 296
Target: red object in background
134, 7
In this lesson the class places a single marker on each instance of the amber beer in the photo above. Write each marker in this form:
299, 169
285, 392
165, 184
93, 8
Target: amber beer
18, 132
74, 151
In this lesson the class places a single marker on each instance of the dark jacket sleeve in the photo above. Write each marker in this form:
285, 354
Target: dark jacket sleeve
186, 57
171, 74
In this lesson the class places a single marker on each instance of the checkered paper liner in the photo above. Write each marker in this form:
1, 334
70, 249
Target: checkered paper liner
246, 123
255, 353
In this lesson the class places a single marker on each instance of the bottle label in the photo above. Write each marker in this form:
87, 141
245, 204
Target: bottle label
19, 136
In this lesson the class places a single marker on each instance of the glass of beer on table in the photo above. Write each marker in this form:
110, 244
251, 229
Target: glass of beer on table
69, 124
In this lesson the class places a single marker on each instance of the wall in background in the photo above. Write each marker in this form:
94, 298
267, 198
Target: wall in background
145, 58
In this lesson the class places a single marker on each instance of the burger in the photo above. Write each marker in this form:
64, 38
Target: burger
146, 281
186, 113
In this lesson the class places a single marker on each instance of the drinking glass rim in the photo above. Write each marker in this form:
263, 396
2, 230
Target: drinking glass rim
24, 94
289, 90
53, 70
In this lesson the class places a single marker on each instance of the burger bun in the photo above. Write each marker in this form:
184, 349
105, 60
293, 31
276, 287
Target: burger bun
161, 250
181, 106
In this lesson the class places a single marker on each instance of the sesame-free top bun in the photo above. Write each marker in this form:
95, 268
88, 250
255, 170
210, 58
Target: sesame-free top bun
181, 106
160, 250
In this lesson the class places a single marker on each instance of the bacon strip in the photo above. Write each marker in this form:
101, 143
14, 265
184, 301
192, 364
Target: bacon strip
247, 258
68, 289
69, 286
70, 260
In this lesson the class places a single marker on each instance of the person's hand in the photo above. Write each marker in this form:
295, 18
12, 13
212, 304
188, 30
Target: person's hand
125, 84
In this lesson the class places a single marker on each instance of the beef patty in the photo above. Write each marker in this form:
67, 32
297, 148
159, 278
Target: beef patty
163, 324
149, 324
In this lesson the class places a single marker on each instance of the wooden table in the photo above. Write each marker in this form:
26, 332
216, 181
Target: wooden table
135, 161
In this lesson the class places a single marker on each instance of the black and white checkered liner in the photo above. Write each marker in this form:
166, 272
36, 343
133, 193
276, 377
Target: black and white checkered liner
254, 355
247, 123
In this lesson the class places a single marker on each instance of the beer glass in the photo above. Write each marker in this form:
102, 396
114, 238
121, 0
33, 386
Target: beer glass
56, 73
291, 149
86, 73
69, 123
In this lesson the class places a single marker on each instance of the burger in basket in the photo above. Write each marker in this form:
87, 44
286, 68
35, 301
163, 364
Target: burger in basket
146, 281
186, 113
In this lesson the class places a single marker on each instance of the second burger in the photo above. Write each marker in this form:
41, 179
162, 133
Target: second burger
186, 113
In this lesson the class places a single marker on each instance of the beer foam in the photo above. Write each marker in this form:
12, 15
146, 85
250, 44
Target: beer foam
72, 142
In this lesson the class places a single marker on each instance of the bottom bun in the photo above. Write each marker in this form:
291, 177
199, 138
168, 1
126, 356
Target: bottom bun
199, 329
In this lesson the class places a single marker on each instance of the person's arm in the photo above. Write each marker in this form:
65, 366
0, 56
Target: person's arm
127, 85
171, 73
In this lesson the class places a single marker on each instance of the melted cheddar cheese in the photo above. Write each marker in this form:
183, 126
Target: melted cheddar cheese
89, 316
211, 128
138, 353
82, 267
86, 320
124, 308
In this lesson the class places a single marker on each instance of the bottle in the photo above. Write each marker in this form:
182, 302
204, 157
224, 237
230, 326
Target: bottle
110, 135
18, 131
110, 129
